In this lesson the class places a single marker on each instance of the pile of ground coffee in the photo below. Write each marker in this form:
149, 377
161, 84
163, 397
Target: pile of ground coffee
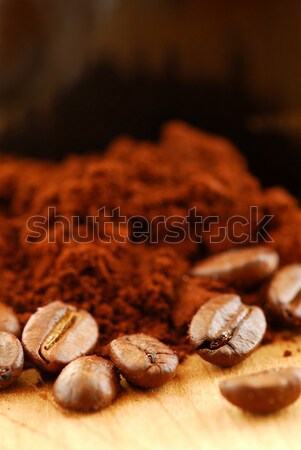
134, 286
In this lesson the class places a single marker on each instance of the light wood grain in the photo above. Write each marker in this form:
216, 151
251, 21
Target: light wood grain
189, 413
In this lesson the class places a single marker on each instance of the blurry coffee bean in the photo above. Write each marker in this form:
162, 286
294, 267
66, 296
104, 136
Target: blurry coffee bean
243, 267
224, 331
57, 334
30, 378
8, 320
284, 294
87, 384
11, 359
263, 392
144, 360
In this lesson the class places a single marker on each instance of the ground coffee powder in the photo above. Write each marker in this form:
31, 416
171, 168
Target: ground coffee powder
134, 286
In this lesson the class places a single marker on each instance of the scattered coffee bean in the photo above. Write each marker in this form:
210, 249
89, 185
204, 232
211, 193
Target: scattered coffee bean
11, 359
263, 392
243, 267
284, 294
224, 331
30, 378
8, 320
57, 334
144, 360
87, 384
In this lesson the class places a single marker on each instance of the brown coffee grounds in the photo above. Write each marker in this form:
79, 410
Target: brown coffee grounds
132, 287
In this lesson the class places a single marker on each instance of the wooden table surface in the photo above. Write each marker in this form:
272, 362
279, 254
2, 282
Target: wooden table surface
187, 413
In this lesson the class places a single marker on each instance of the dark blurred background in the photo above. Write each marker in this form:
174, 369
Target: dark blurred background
74, 74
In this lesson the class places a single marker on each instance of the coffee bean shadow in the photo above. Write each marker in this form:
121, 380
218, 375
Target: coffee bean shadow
202, 369
18, 390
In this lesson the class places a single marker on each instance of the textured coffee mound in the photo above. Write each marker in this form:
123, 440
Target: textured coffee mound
132, 287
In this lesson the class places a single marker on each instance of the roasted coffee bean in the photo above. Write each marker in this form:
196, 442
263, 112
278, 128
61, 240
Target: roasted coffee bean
30, 377
58, 333
8, 320
244, 267
143, 360
11, 359
224, 331
284, 294
263, 392
87, 384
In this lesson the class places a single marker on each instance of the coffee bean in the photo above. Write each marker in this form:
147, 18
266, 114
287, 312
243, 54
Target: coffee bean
244, 267
284, 294
87, 384
11, 359
8, 320
143, 360
263, 392
224, 331
58, 333
30, 377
